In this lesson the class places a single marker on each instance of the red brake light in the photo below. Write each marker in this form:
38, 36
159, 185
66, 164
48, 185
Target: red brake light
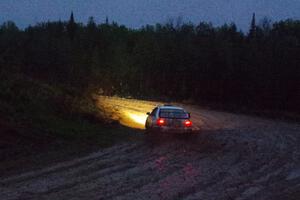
188, 123
161, 122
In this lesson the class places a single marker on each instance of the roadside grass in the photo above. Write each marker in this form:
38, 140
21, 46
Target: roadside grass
32, 107
41, 124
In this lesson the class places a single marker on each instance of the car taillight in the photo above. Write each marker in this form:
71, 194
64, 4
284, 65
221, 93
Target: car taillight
161, 122
187, 123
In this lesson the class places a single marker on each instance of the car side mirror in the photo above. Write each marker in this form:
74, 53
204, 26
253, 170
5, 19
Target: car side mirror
148, 113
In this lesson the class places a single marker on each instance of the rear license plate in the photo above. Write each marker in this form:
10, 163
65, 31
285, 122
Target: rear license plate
177, 123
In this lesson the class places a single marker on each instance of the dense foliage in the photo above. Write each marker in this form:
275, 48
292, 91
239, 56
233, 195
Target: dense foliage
182, 61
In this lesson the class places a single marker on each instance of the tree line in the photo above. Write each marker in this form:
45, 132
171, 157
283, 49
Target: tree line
180, 61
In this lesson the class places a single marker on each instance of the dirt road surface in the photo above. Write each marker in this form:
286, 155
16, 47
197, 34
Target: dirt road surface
231, 157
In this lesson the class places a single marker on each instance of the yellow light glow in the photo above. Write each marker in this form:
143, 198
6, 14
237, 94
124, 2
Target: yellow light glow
138, 118
130, 113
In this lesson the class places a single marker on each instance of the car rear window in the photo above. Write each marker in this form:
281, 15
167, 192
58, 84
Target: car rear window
173, 113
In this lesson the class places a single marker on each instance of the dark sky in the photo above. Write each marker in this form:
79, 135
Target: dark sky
135, 13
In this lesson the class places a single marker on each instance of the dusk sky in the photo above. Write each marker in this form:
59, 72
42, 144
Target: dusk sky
135, 13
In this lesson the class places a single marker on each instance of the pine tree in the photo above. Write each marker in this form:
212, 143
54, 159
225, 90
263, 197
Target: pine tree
71, 27
91, 22
252, 31
91, 25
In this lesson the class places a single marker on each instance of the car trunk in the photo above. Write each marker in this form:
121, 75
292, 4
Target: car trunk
176, 123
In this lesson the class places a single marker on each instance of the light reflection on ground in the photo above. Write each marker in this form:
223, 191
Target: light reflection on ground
129, 112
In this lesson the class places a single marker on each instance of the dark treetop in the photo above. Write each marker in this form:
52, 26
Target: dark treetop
135, 13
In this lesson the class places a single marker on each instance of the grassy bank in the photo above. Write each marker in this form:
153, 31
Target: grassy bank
32, 107
42, 123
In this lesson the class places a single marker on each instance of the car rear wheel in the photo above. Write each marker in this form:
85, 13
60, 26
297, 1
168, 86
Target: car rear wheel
147, 128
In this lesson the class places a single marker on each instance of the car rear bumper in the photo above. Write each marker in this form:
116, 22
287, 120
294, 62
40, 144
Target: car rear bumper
174, 130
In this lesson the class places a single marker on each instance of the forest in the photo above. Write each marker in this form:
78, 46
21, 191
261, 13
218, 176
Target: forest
200, 63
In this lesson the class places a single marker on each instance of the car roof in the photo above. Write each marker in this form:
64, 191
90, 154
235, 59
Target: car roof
171, 107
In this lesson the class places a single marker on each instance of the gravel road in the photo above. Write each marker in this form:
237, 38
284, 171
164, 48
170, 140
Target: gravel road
230, 157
